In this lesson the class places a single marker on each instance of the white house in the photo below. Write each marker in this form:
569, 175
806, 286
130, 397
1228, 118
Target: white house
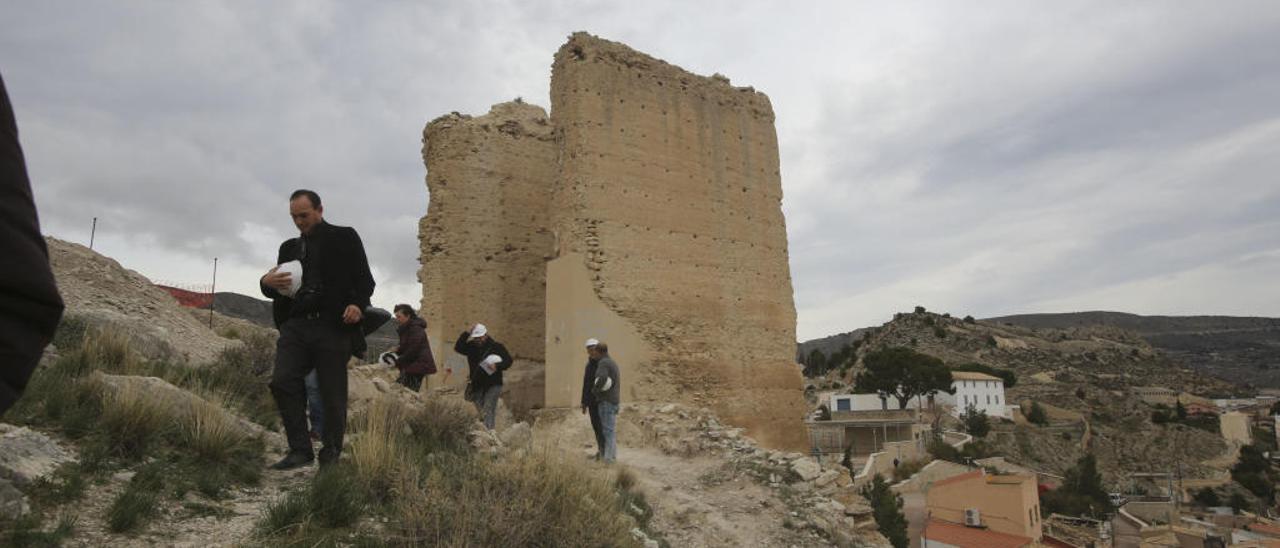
984, 392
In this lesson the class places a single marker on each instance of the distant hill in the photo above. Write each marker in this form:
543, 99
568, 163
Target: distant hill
258, 311
1243, 350
831, 344
244, 307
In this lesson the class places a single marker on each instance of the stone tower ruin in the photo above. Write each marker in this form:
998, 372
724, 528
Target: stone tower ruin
645, 212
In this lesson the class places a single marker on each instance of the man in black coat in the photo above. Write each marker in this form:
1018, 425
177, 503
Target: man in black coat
316, 324
486, 360
30, 305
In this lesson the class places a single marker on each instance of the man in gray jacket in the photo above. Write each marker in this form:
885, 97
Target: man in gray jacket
607, 390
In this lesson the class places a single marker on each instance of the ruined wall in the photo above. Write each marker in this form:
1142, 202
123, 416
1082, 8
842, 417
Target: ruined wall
669, 194
485, 236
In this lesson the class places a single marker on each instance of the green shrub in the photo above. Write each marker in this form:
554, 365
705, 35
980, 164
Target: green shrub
1206, 496
886, 508
1037, 415
137, 504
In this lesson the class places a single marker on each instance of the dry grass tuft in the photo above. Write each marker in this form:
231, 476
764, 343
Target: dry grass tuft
377, 451
133, 420
531, 500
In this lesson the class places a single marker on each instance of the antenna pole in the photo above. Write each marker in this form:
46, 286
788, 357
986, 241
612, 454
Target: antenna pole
213, 291
93, 231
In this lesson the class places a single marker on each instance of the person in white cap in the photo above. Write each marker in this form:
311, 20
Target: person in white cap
589, 398
486, 360
607, 388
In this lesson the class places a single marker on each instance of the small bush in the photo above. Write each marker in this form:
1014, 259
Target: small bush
332, 500
920, 310
132, 421
441, 426
969, 319
536, 500
27, 531
976, 422
1206, 496
376, 452
1037, 415
137, 504
907, 469
939, 332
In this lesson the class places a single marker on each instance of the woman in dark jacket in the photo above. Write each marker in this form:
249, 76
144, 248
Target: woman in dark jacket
415, 361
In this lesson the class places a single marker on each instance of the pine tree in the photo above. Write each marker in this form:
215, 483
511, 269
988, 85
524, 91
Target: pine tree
886, 507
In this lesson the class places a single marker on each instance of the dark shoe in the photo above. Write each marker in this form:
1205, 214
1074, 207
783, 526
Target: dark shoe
328, 457
293, 460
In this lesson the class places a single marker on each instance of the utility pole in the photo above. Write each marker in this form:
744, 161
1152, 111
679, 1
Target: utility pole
93, 231
213, 291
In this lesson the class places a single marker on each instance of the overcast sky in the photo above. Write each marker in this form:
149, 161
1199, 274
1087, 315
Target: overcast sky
976, 158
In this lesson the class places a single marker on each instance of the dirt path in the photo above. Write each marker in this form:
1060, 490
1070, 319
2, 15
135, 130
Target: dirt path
698, 500
192, 521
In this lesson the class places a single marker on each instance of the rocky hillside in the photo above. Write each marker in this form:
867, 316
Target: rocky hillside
1083, 374
1242, 350
98, 291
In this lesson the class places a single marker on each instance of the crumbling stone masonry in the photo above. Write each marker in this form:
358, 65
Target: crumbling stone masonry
662, 234
486, 236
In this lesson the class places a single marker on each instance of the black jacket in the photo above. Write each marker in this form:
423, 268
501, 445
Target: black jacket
589, 379
30, 305
475, 354
334, 259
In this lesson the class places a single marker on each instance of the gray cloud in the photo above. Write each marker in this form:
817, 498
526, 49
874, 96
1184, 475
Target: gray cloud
1015, 158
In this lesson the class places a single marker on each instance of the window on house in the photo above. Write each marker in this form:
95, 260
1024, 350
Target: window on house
844, 404
988, 399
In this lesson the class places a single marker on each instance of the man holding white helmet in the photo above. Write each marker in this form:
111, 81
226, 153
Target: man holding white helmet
317, 314
486, 360
608, 394
589, 406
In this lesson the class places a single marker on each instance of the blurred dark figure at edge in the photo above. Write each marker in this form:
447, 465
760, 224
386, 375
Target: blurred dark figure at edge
30, 306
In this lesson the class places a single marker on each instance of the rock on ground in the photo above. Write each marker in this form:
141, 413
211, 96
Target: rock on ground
27, 455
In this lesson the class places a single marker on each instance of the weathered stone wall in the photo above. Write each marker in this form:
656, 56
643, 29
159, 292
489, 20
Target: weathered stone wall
486, 235
669, 194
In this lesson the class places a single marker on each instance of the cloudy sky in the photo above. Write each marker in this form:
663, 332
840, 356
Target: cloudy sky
983, 159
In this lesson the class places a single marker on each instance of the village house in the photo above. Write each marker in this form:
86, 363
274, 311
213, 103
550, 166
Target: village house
984, 392
976, 509
867, 428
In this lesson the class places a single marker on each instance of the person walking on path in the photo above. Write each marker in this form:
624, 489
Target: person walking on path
316, 316
589, 398
415, 361
486, 360
607, 389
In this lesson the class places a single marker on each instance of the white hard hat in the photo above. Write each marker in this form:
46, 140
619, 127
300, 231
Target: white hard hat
592, 342
479, 331
294, 268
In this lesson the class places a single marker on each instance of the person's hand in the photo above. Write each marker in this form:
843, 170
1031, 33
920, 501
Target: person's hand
279, 281
352, 314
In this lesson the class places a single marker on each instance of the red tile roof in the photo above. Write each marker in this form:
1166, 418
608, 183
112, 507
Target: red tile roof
971, 537
1264, 528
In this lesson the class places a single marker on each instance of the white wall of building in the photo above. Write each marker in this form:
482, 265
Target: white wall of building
984, 395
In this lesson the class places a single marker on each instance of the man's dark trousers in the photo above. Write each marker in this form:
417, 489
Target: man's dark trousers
594, 411
304, 344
